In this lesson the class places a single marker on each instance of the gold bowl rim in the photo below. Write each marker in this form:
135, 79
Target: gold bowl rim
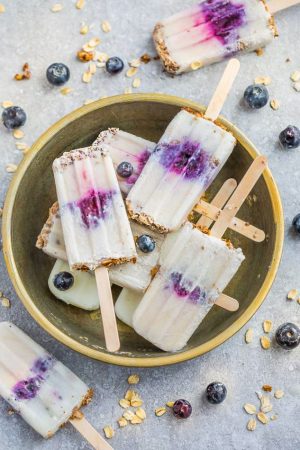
117, 358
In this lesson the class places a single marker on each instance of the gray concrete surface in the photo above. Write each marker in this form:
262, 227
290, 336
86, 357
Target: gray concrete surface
31, 32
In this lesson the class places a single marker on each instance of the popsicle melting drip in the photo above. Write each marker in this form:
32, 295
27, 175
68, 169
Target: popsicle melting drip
185, 158
183, 287
223, 19
94, 206
28, 388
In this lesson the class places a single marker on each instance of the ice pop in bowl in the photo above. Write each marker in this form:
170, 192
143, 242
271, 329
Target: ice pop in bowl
145, 115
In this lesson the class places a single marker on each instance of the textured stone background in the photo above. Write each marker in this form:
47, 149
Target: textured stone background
31, 32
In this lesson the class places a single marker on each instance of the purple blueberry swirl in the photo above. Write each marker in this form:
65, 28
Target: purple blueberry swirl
185, 288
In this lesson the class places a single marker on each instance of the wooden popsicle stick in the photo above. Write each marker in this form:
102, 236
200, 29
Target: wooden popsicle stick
239, 196
219, 200
278, 5
236, 224
228, 303
222, 90
109, 321
90, 434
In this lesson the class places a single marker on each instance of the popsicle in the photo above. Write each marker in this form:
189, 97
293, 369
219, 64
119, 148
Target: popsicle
73, 287
128, 152
212, 30
95, 225
186, 160
41, 389
194, 270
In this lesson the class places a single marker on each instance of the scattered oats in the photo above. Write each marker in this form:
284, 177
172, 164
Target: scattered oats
5, 302
140, 412
102, 57
250, 409
136, 401
18, 134
129, 415
86, 77
131, 72
108, 431
87, 48
267, 388
7, 104
11, 168
295, 76
259, 51
135, 63
265, 342
85, 56
170, 404
128, 90
84, 29
249, 335
95, 315
262, 418
274, 104
136, 420
267, 326
263, 80
94, 42
80, 4
92, 68
2, 8
133, 379
160, 411
122, 422
251, 425
136, 83
292, 294
106, 26
124, 403
57, 7
100, 65
196, 65
278, 394
274, 417
88, 101
66, 90
129, 394
265, 404
296, 86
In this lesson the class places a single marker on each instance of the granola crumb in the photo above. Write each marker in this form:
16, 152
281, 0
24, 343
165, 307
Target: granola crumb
259, 51
25, 75
267, 388
133, 379
84, 56
145, 58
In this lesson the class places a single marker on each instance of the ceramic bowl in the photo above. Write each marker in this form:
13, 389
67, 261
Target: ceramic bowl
32, 191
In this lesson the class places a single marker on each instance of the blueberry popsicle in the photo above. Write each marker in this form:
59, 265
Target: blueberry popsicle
194, 270
129, 154
212, 30
41, 389
186, 160
95, 225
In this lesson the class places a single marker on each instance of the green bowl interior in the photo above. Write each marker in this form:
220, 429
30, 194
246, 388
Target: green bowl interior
36, 192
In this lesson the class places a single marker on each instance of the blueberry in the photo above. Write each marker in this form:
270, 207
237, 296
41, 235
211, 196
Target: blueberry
63, 281
145, 243
288, 336
182, 409
58, 74
114, 65
296, 223
256, 96
216, 392
290, 137
125, 169
13, 117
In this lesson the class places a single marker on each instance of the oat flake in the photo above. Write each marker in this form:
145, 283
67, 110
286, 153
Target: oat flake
5, 302
66, 90
251, 425
295, 76
170, 404
274, 104
57, 7
7, 104
136, 83
133, 379
106, 26
136, 420
122, 422
160, 411
267, 326
249, 335
109, 432
265, 80
84, 29
2, 8
196, 65
278, 394
249, 408
262, 418
131, 72
11, 168
135, 63
265, 342
80, 4
86, 77
129, 415
293, 293
140, 412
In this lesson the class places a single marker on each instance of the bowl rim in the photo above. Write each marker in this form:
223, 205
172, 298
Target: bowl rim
118, 359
